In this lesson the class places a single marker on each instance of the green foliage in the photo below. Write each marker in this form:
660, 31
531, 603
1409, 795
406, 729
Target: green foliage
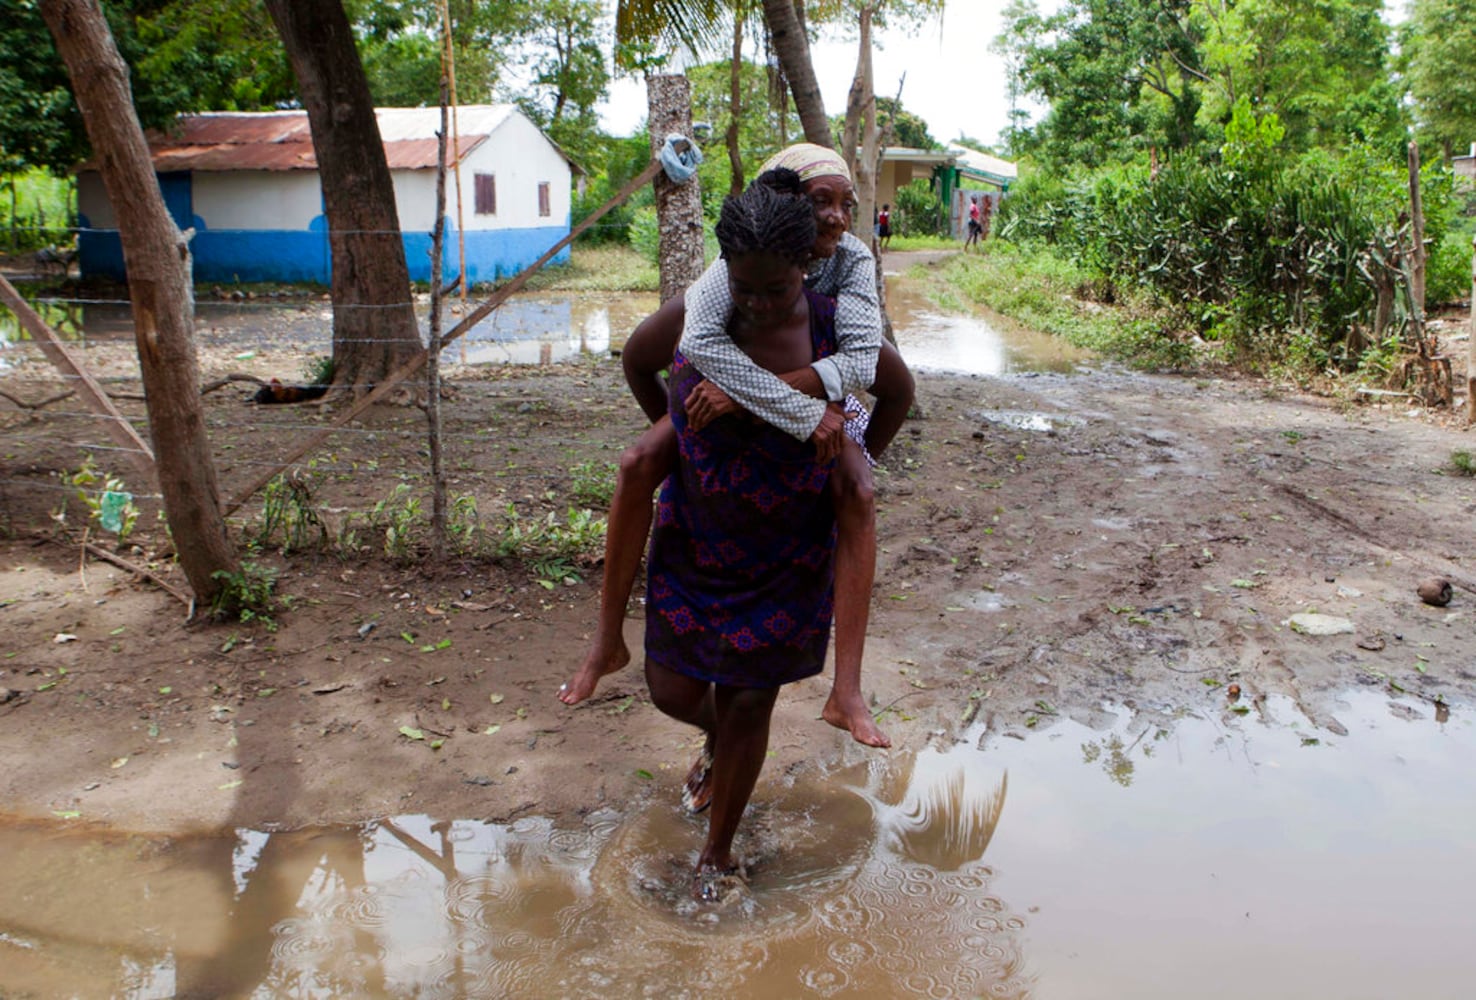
594, 483
1273, 257
1463, 463
1438, 46
1448, 270
318, 370
42, 209
551, 548
248, 595
287, 509
397, 519
616, 163
645, 235
919, 212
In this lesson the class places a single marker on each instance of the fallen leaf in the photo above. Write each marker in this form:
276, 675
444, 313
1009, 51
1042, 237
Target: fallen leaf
66, 813
118, 762
641, 772
495, 699
231, 784
412, 732
62, 637
330, 688
492, 730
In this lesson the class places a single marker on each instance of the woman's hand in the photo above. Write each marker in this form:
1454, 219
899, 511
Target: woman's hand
705, 403
830, 434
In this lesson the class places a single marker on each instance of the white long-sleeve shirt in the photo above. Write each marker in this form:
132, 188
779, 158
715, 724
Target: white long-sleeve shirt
850, 276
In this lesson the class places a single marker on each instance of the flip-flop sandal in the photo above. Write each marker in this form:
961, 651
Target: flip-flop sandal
697, 789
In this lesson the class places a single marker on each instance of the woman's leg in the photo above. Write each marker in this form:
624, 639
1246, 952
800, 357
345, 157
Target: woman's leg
855, 569
855, 555
643, 466
690, 701
741, 744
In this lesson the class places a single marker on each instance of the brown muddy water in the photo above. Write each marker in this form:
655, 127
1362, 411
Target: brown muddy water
544, 328
1152, 855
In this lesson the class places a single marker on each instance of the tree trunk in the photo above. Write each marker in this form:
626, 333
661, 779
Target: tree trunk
157, 260
793, 49
863, 160
735, 104
678, 206
373, 320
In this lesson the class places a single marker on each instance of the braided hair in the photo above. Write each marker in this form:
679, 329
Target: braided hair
770, 216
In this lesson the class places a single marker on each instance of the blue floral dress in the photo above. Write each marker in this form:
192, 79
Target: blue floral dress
740, 575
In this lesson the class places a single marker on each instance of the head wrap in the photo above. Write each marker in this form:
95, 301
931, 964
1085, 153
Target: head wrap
809, 161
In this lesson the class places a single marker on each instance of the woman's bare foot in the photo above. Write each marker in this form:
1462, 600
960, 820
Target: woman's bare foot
852, 715
597, 664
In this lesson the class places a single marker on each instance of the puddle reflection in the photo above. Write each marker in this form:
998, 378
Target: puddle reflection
1157, 854
853, 894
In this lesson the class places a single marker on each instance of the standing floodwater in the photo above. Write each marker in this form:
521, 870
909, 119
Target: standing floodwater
1210, 855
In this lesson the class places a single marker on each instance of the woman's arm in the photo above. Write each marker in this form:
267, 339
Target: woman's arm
648, 352
706, 343
850, 277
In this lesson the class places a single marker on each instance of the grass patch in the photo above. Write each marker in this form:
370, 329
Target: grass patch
1040, 290
608, 268
924, 243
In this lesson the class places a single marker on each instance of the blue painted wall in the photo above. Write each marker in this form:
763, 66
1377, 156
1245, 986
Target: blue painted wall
302, 256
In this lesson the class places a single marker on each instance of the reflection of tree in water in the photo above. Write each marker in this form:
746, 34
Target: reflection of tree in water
1116, 757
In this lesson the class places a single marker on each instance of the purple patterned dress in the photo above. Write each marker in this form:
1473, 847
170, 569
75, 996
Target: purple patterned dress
740, 576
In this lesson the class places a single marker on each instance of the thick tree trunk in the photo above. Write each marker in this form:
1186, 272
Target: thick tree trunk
863, 160
735, 105
793, 49
156, 257
678, 206
373, 321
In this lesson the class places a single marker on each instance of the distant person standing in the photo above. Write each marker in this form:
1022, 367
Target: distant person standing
884, 226
976, 226
986, 210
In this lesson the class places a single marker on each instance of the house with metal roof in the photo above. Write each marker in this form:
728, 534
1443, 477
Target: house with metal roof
955, 175
248, 185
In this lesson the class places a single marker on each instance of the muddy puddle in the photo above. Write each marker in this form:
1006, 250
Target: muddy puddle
529, 329
544, 328
971, 343
1152, 854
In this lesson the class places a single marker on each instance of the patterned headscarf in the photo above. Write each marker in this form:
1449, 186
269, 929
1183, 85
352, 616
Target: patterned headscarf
809, 161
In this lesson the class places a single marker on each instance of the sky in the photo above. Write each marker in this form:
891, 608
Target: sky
952, 82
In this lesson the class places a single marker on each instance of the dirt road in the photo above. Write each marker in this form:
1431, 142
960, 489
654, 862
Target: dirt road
1049, 545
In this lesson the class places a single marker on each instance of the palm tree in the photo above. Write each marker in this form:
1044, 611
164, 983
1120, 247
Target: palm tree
695, 24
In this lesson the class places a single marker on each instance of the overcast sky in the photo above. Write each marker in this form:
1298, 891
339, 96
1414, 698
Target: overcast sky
952, 80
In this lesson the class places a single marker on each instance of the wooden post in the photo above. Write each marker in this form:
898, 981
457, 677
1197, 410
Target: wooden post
1417, 237
1471, 346
433, 345
678, 206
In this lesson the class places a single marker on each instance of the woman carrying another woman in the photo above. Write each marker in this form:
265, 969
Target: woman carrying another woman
804, 402
741, 567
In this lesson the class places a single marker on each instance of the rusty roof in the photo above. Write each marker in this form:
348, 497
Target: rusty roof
282, 140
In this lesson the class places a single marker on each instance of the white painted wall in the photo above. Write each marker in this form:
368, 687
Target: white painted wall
257, 199
520, 157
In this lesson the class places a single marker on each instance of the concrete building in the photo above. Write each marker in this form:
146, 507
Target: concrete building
248, 184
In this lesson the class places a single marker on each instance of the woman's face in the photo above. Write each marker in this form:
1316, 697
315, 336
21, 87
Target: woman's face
764, 287
834, 200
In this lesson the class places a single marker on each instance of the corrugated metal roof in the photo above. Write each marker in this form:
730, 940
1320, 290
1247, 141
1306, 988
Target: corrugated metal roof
282, 140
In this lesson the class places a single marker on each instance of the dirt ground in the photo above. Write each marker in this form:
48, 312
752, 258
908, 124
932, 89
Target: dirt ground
1049, 545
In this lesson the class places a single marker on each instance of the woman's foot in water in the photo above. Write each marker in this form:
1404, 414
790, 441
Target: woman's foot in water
719, 884
598, 662
849, 712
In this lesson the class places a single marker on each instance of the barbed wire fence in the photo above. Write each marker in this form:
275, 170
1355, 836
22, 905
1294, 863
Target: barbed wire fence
48, 424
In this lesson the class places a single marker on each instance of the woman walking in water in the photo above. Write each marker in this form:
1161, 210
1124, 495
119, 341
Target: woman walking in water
741, 567
794, 402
